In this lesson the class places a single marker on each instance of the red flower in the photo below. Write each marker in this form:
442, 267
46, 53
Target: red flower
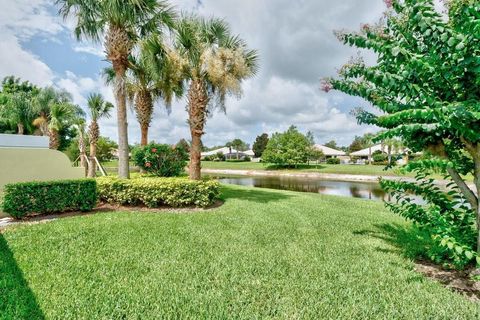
154, 150
148, 164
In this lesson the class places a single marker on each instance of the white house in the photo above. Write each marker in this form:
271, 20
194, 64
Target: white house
329, 152
229, 153
364, 153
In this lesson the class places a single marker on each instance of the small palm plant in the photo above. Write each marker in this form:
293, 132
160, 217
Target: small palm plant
121, 24
54, 110
80, 125
214, 64
17, 111
99, 108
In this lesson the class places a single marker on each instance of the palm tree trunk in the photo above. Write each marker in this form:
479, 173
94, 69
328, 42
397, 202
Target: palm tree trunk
144, 111
92, 169
54, 139
144, 130
83, 152
21, 128
369, 155
122, 125
197, 106
118, 46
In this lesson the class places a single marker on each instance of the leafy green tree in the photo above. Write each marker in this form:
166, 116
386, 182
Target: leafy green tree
121, 24
426, 83
16, 109
311, 137
290, 148
238, 145
184, 146
105, 149
98, 108
214, 64
331, 144
356, 145
260, 144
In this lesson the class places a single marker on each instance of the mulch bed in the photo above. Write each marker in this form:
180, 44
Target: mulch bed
458, 281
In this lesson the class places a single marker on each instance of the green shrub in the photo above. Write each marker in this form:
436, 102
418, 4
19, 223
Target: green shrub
333, 161
26, 198
247, 159
161, 160
154, 192
380, 158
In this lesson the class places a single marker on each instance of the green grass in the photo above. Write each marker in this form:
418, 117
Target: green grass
263, 254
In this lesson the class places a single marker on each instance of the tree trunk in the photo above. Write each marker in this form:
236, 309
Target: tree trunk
21, 128
83, 152
54, 139
144, 130
197, 112
92, 169
369, 155
144, 112
389, 149
118, 46
122, 124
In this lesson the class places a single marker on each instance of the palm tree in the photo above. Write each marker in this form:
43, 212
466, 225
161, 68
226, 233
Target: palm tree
122, 23
53, 109
99, 109
214, 64
17, 111
148, 81
81, 135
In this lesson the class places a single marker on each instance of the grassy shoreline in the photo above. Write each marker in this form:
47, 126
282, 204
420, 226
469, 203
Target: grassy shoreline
263, 254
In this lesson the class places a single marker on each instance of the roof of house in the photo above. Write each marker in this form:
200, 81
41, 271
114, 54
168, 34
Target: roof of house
329, 151
365, 152
224, 150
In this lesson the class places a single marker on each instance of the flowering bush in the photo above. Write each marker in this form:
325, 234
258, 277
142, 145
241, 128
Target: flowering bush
160, 159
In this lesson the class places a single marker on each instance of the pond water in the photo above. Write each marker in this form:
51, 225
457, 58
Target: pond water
362, 190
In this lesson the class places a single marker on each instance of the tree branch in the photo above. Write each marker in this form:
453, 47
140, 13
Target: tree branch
464, 188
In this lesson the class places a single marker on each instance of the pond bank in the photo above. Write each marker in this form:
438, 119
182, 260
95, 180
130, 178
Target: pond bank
310, 175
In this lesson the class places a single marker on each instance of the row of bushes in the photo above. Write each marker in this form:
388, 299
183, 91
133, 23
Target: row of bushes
21, 199
155, 192
34, 198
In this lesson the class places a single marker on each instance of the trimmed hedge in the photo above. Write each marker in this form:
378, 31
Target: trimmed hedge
26, 198
154, 192
333, 161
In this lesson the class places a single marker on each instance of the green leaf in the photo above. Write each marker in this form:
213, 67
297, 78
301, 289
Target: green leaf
451, 41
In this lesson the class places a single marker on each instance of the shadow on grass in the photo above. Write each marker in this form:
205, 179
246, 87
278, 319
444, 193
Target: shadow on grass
17, 301
407, 240
255, 195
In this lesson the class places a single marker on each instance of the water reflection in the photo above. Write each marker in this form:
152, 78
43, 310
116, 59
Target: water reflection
362, 190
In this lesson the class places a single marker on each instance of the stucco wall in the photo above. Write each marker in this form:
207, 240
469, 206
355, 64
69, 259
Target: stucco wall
35, 164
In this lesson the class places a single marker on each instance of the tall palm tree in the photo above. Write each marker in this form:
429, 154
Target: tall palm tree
121, 24
214, 64
99, 108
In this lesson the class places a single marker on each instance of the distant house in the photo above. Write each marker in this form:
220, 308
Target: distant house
229, 153
330, 152
364, 153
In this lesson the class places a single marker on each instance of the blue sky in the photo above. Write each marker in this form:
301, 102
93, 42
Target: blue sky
294, 38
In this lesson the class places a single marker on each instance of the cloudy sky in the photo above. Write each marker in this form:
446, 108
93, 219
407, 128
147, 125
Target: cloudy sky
294, 39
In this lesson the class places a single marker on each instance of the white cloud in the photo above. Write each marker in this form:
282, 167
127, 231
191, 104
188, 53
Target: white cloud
296, 46
19, 21
93, 50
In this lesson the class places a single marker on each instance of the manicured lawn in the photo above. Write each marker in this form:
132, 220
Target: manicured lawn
322, 168
264, 254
